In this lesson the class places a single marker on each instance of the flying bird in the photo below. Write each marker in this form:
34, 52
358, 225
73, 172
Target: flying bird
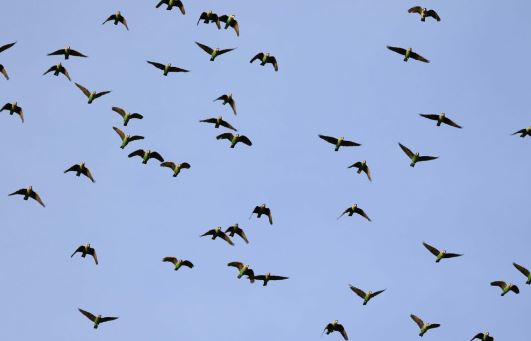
230, 21
268, 277
263, 209
355, 209
339, 142
6, 46
167, 68
335, 326
408, 53
415, 157
265, 58
81, 168
67, 52
218, 122
217, 232
227, 98
235, 229
441, 118
424, 13
424, 327
213, 52
524, 132
86, 250
127, 115
366, 296
146, 155
439, 254
244, 270
175, 167
171, 3
362, 167
14, 108
96, 319
3, 71
234, 139
29, 193
117, 18
126, 138
57, 69
524, 272
91, 95
178, 262
209, 17
483, 337
505, 287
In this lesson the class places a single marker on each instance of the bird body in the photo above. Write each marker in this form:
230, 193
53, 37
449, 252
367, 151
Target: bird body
171, 3
126, 138
91, 96
57, 69
234, 139
127, 116
218, 121
213, 52
483, 337
415, 157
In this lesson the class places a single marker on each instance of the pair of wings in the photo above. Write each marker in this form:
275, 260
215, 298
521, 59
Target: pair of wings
152, 155
270, 59
363, 294
522, 269
92, 317
85, 171
238, 231
209, 16
229, 100
434, 251
234, 23
503, 285
219, 234
34, 195
444, 120
364, 168
60, 69
249, 272
521, 131
221, 122
121, 19
123, 113
90, 251
428, 13
209, 50
71, 52
87, 93
264, 210
173, 165
357, 210
177, 3
334, 140
229, 136
421, 323
412, 54
163, 67
410, 154
16, 109
174, 261
481, 336
123, 136
338, 328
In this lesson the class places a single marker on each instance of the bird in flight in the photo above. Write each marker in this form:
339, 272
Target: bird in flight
424, 327
13, 108
339, 142
441, 118
86, 250
175, 167
335, 326
524, 132
218, 121
244, 270
178, 262
171, 3
57, 69
67, 52
440, 254
362, 167
263, 209
483, 337
117, 18
81, 168
146, 155
209, 17
524, 272
96, 319
505, 287
236, 229
415, 157
268, 277
29, 193
91, 96
227, 98
167, 68
126, 116
366, 296
126, 138
424, 13
265, 58
355, 209
217, 232
234, 139
230, 21
408, 53
213, 52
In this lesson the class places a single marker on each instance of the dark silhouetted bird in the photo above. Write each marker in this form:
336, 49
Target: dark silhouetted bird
415, 157
213, 52
505, 287
339, 142
362, 167
126, 138
81, 168
234, 139
209, 17
263, 209
265, 58
91, 96
424, 327
355, 209
67, 52
96, 319
217, 232
29, 193
424, 13
14, 108
218, 122
524, 272
146, 155
483, 337
268, 277
178, 262
86, 250
167, 68
408, 53
366, 296
175, 167
335, 326
439, 254
441, 118
171, 3
244, 270
127, 115
230, 21
117, 18
524, 132
235, 229
227, 98
57, 69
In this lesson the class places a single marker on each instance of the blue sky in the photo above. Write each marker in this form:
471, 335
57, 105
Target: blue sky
336, 78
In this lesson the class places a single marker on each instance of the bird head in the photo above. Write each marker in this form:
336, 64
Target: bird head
268, 274
363, 162
14, 104
335, 322
442, 114
118, 13
354, 206
370, 292
217, 229
99, 316
341, 138
528, 129
220, 118
82, 164
232, 16
229, 94
59, 65
236, 225
30, 188
417, 154
443, 251
263, 206
237, 135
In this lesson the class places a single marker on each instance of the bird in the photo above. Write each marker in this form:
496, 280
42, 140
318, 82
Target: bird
178, 262
29, 193
227, 98
408, 53
3, 71
217, 232
524, 132
171, 3
265, 58
117, 18
440, 254
230, 21
213, 52
268, 277
424, 327
366, 296
424, 13
219, 122
441, 118
355, 209
96, 319
126, 138
362, 167
14, 108
209, 17
127, 115
167, 68
146, 155
339, 142
244, 270
235, 229
57, 69
7, 46
91, 95
86, 250
175, 167
234, 139
415, 157
505, 287
263, 209
524, 271
335, 326
483, 337
67, 52
81, 168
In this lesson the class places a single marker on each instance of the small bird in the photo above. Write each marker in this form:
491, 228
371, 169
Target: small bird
167, 68
265, 58
29, 193
171, 3
209, 17
408, 53
244, 270
146, 155
234, 139
339, 142
57, 69
91, 95
3, 71
415, 157
178, 262
263, 209
424, 13
505, 287
524, 132
483, 337
81, 168
217, 232
424, 327
86, 250
441, 118
268, 277
235, 229
175, 167
117, 18
335, 326
362, 167
67, 52
355, 209
366, 296
96, 319
524, 271
6, 46
227, 98
219, 122
126, 138
440, 254
14, 108
213, 52
230, 21
127, 115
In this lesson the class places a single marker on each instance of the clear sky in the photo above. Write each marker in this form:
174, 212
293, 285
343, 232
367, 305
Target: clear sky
336, 78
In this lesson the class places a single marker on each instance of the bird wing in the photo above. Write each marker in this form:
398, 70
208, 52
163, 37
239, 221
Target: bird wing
102, 93
344, 212
227, 136
225, 51
277, 278
172, 260
515, 289
236, 27
478, 336
226, 124
397, 50
356, 164
138, 152
64, 71
376, 293
205, 48
406, 150
119, 110
427, 158
430, 116
187, 263
79, 249
238, 265
111, 17
57, 53
245, 140
185, 165
523, 270
357, 291
21, 191
76, 53
84, 90
341, 329
500, 284
177, 69
273, 61
416, 9
367, 171
433, 14
203, 16
450, 122
35, 196
74, 168
260, 277
329, 139
418, 57
156, 156
451, 255
242, 234
258, 56
362, 213
52, 68
4, 72
521, 131
417, 320
233, 106
92, 252
124, 21
168, 164
433, 326
345, 143
119, 132
136, 115
107, 318
88, 174
209, 233
157, 65
87, 314
222, 98
226, 238
434, 251
209, 120
135, 138
6, 46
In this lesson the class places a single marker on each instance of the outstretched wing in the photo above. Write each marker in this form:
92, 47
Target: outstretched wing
357, 291
406, 150
138, 152
76, 53
107, 318
119, 110
227, 136
84, 90
79, 249
329, 139
433, 326
277, 278
172, 260
205, 48
362, 213
102, 93
397, 50
238, 265
156, 156
226, 238
341, 329
273, 61
225, 51
430, 116
416, 9
157, 65
87, 314
242, 234
427, 158
119, 132
434, 251
88, 174
500, 284
21, 191
168, 164
177, 69
451, 123
418, 57
74, 168
523, 270
34, 195
433, 14
259, 56
187, 263
417, 320
346, 143
6, 46
376, 293
227, 125
451, 255
209, 120
245, 140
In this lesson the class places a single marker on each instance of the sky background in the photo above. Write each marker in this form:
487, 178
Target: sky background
335, 78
